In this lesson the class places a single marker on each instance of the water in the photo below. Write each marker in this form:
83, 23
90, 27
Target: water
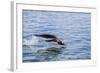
73, 28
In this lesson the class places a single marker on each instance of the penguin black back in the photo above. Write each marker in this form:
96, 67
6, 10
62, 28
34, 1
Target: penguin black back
46, 36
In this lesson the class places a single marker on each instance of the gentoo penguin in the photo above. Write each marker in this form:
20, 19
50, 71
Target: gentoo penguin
50, 38
51, 42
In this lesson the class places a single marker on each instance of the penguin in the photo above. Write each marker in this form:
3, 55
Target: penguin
50, 38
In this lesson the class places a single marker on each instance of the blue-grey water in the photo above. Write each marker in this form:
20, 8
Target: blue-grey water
73, 28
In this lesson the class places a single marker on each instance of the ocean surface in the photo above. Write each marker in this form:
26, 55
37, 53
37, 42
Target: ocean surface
72, 28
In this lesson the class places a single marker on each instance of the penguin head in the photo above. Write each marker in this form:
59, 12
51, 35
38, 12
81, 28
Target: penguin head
60, 43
